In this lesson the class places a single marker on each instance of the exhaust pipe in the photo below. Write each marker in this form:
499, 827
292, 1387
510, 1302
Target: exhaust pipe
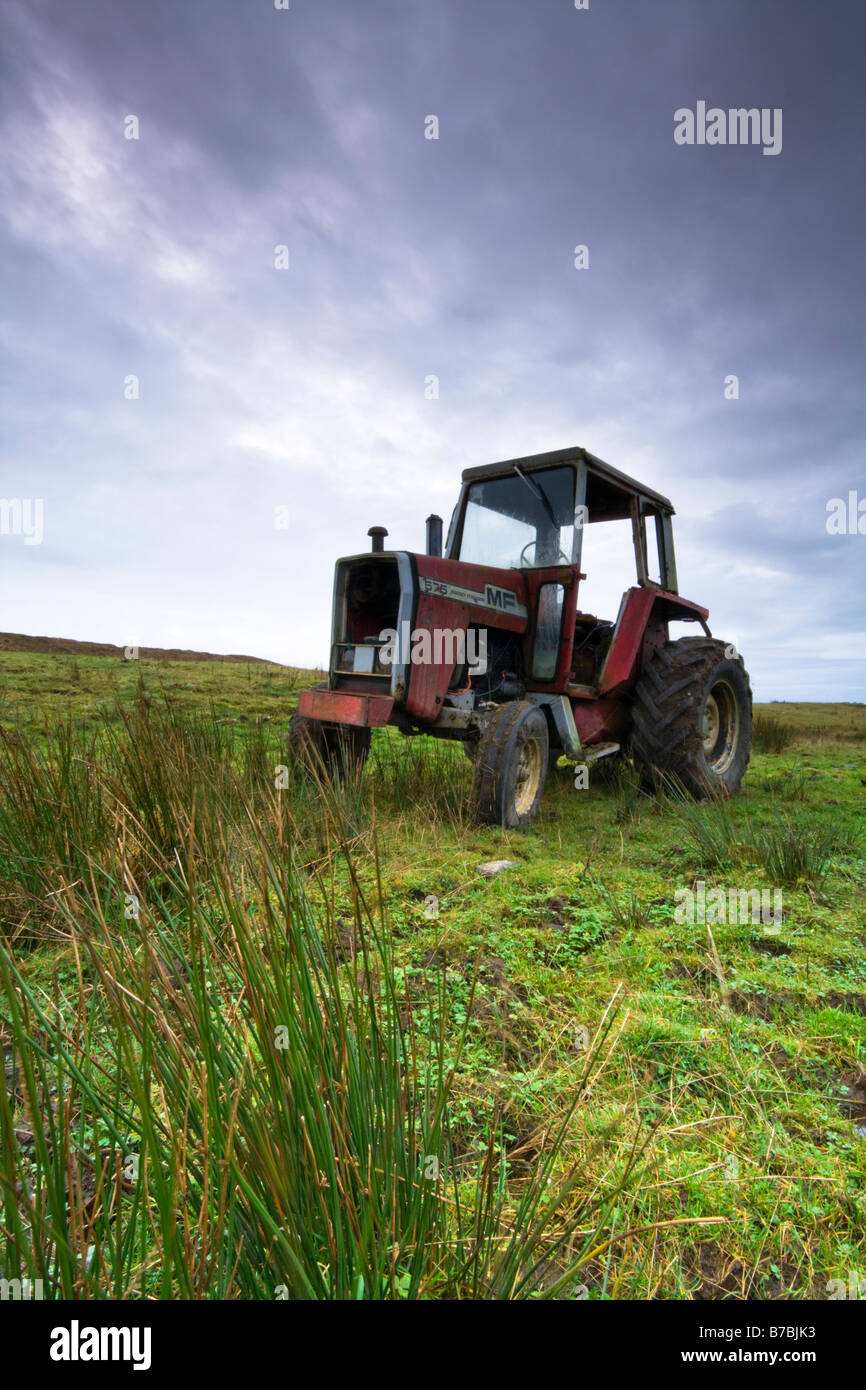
434, 534
378, 533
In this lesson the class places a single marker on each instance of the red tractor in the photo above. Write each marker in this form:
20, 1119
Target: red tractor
487, 644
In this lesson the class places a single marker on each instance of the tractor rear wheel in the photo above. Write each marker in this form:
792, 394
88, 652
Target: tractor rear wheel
341, 748
510, 766
692, 717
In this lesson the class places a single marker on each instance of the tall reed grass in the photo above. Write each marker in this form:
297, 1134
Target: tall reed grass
771, 735
788, 848
211, 1097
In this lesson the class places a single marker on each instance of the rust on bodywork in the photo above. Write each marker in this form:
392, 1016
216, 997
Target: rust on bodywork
338, 707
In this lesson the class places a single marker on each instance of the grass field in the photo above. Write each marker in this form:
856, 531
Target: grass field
283, 1040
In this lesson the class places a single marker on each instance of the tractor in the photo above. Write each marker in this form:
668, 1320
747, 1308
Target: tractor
488, 644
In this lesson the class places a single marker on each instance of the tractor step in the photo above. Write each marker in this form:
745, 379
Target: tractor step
598, 750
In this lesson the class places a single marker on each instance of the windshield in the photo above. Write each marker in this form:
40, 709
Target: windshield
523, 520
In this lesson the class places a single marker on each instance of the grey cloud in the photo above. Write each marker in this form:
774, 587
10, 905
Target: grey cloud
412, 257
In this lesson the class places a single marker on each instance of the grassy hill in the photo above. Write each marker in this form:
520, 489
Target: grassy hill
697, 1098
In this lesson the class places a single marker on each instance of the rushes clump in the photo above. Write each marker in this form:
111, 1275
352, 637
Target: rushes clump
627, 911
771, 735
432, 776
711, 826
213, 1100
790, 850
787, 849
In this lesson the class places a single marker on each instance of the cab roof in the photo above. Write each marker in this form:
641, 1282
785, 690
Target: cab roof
575, 454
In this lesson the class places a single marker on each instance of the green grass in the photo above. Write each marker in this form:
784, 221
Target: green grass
93, 688
686, 1099
814, 723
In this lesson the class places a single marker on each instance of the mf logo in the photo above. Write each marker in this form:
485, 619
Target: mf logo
495, 597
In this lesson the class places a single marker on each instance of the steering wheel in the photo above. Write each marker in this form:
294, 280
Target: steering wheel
566, 560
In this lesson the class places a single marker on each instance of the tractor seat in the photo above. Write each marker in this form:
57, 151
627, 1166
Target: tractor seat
591, 639
590, 626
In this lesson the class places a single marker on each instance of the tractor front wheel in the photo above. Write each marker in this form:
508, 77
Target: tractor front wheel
511, 766
692, 717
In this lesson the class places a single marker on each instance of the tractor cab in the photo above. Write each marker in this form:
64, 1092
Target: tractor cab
534, 514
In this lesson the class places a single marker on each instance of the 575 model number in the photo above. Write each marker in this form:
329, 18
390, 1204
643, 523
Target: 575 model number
493, 596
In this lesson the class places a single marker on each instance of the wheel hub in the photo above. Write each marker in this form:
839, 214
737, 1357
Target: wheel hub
529, 772
720, 727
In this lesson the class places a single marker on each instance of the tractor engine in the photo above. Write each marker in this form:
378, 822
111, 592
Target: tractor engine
401, 631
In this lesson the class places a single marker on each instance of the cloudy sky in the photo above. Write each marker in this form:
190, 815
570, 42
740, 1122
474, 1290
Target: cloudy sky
303, 388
